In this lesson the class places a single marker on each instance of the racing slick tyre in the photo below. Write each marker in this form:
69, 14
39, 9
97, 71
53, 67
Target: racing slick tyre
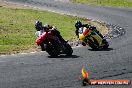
106, 44
83, 44
69, 50
92, 44
52, 51
94, 47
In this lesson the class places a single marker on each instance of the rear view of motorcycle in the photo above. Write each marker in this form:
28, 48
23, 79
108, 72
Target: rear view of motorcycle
54, 47
92, 39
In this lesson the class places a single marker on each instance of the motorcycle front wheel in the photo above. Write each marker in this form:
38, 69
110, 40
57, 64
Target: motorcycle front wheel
92, 45
52, 51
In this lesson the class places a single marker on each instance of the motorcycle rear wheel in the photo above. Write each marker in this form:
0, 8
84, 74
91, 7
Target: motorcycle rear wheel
106, 44
69, 50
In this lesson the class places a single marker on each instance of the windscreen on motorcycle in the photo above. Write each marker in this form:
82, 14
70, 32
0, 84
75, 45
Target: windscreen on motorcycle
80, 30
83, 30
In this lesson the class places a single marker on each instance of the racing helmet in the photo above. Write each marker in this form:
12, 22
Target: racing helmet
38, 25
78, 24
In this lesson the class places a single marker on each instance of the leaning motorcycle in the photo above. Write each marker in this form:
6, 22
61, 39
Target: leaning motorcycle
53, 46
92, 39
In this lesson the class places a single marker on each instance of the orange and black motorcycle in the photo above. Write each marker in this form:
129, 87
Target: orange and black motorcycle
92, 39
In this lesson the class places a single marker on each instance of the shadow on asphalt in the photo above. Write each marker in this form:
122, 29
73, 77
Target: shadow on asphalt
109, 49
64, 56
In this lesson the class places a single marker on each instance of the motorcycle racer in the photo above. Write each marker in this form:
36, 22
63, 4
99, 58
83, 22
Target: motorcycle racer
41, 30
90, 36
54, 31
79, 24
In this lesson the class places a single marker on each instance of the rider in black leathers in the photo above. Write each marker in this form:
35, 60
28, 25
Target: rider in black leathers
40, 29
79, 24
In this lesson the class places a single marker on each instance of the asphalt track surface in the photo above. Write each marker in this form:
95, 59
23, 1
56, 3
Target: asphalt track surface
38, 70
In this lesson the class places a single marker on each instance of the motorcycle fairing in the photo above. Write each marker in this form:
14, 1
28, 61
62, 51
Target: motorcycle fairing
41, 38
85, 34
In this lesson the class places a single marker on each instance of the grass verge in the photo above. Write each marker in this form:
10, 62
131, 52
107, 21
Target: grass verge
17, 27
116, 3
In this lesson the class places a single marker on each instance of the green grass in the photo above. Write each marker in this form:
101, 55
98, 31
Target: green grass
17, 27
116, 3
